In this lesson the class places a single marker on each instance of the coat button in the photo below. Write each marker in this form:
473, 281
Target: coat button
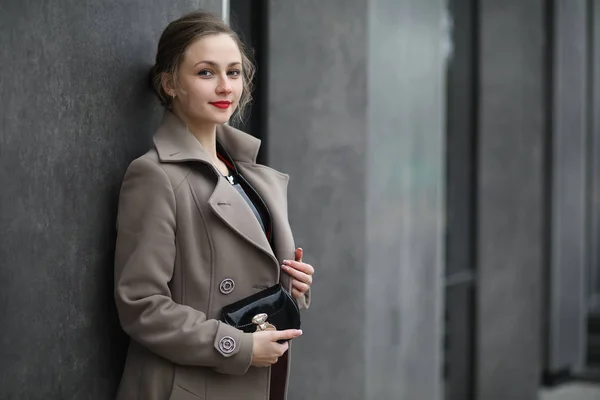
227, 285
227, 345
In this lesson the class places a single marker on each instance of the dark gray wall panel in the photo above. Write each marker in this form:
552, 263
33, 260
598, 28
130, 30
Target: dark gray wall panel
568, 263
594, 161
316, 129
356, 113
511, 197
77, 109
405, 199
461, 209
460, 131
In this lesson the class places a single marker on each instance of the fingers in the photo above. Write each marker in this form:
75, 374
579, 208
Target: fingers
296, 293
300, 266
302, 287
285, 335
266, 363
299, 254
298, 275
271, 361
283, 347
280, 349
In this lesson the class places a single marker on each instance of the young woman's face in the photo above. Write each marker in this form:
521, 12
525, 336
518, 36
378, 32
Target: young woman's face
209, 80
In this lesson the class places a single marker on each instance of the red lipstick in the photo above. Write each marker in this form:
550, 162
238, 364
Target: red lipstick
222, 104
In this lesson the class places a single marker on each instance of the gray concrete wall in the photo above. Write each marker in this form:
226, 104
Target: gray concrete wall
511, 197
570, 218
317, 133
355, 116
77, 109
405, 199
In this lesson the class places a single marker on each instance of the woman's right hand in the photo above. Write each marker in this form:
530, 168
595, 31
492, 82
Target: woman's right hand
266, 350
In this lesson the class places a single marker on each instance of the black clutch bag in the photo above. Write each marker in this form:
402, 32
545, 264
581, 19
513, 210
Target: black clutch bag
272, 308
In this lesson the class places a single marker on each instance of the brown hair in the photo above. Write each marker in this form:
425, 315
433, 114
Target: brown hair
175, 40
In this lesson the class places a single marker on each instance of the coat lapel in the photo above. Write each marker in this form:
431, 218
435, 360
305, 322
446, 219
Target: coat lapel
233, 210
174, 143
272, 187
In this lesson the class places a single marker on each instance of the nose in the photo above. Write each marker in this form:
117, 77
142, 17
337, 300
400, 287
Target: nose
224, 86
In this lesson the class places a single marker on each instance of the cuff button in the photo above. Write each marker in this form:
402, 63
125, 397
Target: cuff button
227, 345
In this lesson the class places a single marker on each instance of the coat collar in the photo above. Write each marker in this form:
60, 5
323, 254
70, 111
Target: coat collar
175, 143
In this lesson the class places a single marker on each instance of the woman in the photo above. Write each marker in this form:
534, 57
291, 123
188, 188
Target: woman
200, 226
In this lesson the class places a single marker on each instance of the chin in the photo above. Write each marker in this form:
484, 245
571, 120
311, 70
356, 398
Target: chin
221, 121
220, 118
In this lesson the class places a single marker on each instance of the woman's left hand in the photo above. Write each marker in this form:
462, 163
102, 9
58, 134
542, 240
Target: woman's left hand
301, 273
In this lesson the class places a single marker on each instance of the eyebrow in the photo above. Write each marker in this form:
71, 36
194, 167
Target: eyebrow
214, 64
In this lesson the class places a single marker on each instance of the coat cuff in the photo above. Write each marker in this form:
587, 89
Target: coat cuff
234, 348
304, 301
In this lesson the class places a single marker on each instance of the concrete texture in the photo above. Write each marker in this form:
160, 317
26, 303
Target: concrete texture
317, 133
77, 109
511, 198
356, 120
570, 242
405, 199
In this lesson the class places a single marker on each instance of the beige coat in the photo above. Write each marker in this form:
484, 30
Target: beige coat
188, 245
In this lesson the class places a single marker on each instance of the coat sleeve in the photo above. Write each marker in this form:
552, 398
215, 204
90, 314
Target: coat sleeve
304, 301
144, 260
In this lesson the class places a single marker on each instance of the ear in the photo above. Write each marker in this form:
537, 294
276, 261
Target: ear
167, 83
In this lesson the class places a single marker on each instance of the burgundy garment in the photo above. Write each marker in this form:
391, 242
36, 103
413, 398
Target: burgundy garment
278, 378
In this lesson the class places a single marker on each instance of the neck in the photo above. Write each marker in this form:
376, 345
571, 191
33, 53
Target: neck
205, 133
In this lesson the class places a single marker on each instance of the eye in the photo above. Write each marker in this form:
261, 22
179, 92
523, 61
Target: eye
235, 72
205, 72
